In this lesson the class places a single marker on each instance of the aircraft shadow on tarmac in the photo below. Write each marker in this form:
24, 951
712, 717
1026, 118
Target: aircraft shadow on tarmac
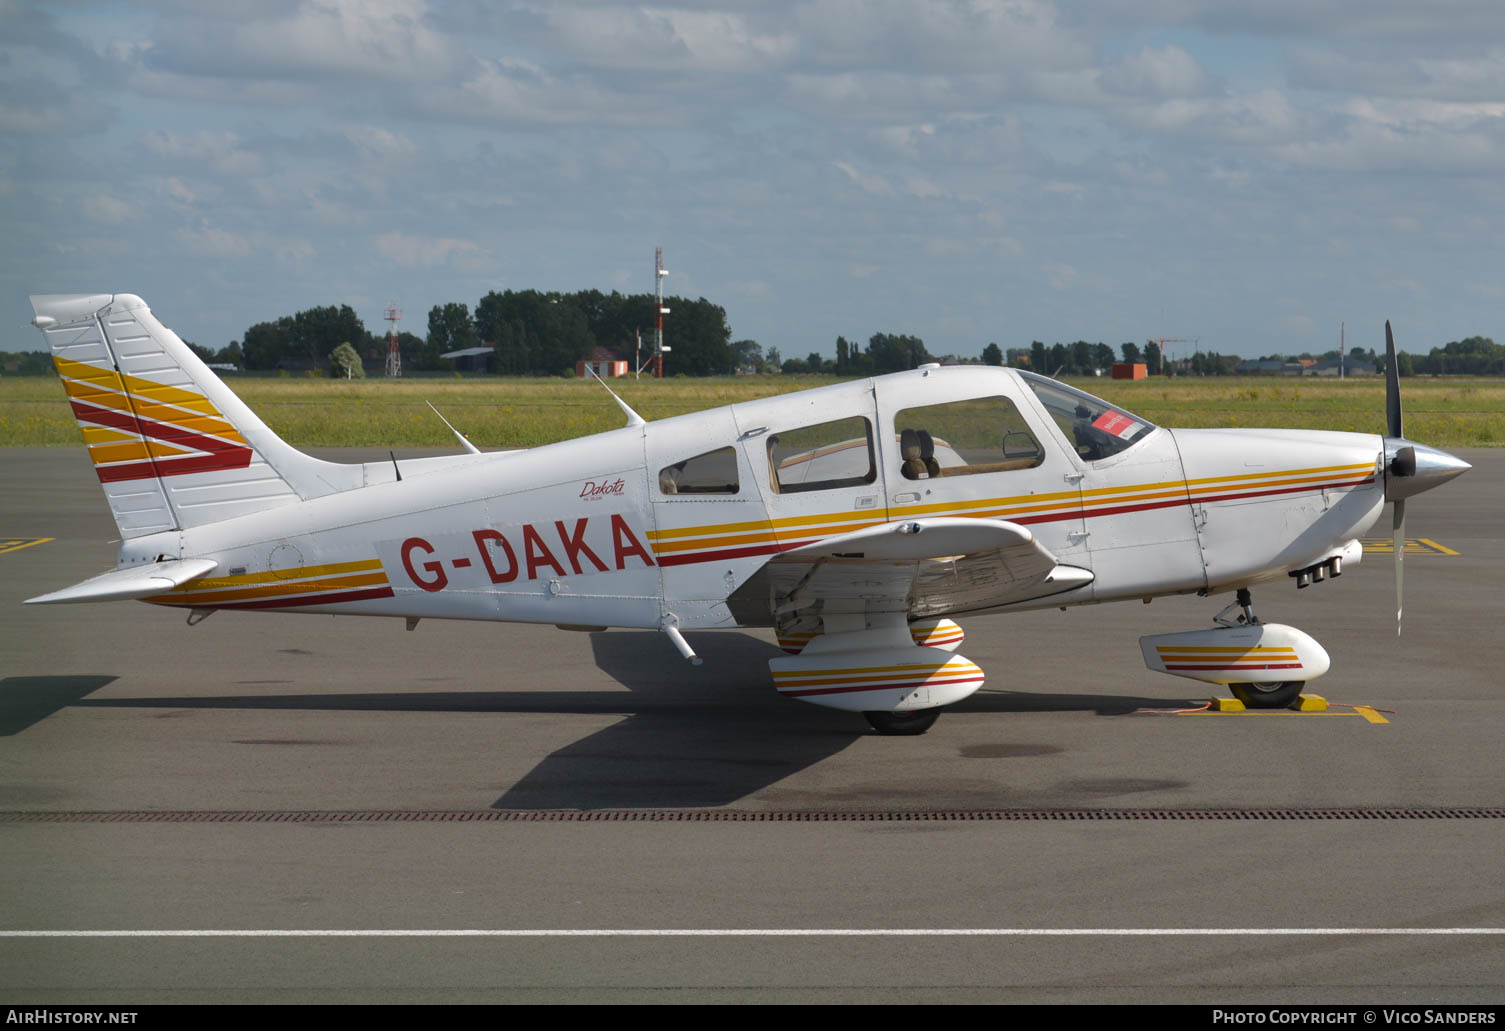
28, 700
693, 737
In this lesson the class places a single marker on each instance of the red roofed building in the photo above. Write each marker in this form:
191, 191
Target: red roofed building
604, 362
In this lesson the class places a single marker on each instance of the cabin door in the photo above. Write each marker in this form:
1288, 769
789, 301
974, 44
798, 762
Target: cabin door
709, 520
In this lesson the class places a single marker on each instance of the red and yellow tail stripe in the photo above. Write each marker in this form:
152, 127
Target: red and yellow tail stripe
138, 429
284, 588
848, 680
1227, 658
717, 542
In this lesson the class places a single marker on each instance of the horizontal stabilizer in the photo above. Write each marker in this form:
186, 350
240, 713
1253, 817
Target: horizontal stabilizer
131, 582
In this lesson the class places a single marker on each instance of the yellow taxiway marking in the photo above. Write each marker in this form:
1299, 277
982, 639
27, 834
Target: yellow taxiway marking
1414, 546
17, 543
1310, 705
1360, 710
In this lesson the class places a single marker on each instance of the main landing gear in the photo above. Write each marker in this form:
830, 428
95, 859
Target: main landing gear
1265, 665
898, 674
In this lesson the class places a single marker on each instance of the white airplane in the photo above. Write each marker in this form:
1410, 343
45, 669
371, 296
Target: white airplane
853, 519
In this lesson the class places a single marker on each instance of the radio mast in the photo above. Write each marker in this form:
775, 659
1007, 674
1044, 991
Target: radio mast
394, 356
659, 272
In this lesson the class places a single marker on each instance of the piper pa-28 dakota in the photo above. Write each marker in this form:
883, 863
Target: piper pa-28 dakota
854, 519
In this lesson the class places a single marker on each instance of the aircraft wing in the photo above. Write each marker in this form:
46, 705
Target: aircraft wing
131, 582
921, 567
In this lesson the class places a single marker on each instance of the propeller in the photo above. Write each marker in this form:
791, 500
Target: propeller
1404, 458
1410, 468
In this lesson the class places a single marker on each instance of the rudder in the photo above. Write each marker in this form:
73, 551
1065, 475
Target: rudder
172, 445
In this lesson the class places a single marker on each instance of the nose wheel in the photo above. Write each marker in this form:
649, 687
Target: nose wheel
903, 724
1268, 694
1265, 665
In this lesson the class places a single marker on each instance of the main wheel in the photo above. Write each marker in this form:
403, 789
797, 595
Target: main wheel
1270, 694
909, 723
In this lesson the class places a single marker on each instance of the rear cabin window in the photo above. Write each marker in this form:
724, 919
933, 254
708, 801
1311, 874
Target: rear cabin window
714, 472
822, 457
962, 438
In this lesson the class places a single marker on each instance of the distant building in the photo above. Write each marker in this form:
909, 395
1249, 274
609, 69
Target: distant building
1131, 370
471, 359
605, 363
1351, 367
1271, 368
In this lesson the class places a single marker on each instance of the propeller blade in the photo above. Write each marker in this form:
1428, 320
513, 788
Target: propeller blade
1399, 524
1392, 387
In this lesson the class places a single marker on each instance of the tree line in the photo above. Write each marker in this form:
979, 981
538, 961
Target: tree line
545, 333
1080, 358
533, 332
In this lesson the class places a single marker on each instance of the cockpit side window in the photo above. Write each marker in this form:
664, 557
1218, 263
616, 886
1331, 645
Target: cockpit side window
962, 438
714, 472
1095, 428
822, 457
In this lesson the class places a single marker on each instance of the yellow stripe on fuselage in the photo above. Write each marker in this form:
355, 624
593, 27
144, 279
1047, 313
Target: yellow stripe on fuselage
276, 590
691, 538
280, 576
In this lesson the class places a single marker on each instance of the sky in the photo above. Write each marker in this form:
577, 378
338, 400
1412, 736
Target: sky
1244, 177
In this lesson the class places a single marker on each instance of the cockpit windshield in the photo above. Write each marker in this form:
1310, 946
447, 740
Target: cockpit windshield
1096, 428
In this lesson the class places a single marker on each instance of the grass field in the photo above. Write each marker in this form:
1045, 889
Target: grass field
501, 413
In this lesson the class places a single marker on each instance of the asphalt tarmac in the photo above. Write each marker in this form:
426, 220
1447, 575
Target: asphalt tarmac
265, 718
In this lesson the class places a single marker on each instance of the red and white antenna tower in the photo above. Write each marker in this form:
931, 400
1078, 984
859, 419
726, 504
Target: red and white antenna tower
659, 272
394, 356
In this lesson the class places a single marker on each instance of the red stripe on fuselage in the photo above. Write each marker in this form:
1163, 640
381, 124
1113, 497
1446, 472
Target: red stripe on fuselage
305, 601
689, 558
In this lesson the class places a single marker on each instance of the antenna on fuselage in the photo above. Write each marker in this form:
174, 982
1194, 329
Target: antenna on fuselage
458, 435
633, 418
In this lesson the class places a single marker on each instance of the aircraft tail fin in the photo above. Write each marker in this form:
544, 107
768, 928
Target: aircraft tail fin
172, 445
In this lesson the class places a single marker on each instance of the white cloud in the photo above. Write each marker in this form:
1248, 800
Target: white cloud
660, 39
924, 189
101, 207
319, 39
210, 242
411, 251
1408, 135
219, 150
939, 35
176, 190
378, 143
1263, 118
1167, 71
295, 252
1059, 276
872, 184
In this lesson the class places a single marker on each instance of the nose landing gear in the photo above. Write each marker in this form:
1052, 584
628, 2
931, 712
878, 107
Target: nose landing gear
1265, 665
